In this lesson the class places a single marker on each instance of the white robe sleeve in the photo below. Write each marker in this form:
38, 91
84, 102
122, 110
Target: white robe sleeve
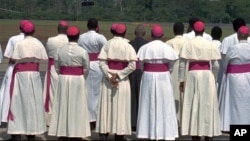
126, 71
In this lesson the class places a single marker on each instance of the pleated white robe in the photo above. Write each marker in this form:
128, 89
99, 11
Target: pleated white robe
52, 45
93, 42
234, 93
157, 115
200, 115
176, 43
5, 87
27, 98
114, 113
70, 112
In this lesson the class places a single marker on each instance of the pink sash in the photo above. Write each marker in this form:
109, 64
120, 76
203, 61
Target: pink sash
238, 68
29, 66
117, 65
137, 65
71, 70
156, 67
47, 99
93, 56
203, 65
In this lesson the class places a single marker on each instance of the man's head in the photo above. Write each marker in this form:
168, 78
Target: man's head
243, 33
73, 33
139, 30
157, 32
92, 24
120, 30
216, 33
237, 23
22, 23
113, 27
178, 28
199, 27
28, 28
62, 27
191, 23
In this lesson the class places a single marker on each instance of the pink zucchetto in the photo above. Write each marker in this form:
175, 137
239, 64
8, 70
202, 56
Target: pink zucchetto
113, 26
157, 31
28, 27
243, 30
199, 26
73, 31
63, 23
121, 28
23, 22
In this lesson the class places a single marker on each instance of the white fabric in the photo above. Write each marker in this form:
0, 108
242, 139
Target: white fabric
191, 35
52, 45
234, 94
176, 43
114, 111
92, 42
200, 115
5, 87
27, 98
218, 75
1, 54
228, 42
70, 112
157, 116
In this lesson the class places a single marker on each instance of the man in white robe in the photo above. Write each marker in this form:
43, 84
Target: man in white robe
235, 87
200, 115
93, 42
191, 33
26, 112
5, 87
227, 42
51, 77
176, 43
117, 60
70, 117
157, 115
216, 33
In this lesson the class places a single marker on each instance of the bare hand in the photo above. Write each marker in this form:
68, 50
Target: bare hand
181, 87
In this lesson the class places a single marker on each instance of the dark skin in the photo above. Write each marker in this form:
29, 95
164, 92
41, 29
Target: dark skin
113, 79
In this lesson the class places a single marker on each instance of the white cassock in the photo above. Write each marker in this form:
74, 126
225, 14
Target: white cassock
70, 112
200, 115
114, 111
50, 86
93, 42
157, 115
218, 74
26, 104
5, 87
235, 86
176, 43
191, 35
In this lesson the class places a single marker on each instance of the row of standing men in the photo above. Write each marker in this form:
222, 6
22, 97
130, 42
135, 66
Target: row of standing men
106, 66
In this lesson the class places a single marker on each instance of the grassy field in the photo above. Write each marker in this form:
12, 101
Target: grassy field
45, 29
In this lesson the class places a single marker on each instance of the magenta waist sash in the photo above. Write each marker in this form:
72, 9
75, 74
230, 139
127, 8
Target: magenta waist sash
51, 62
71, 70
238, 68
137, 65
93, 56
117, 65
29, 66
156, 67
203, 65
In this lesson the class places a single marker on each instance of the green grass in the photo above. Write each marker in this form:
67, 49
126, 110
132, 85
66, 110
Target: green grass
45, 29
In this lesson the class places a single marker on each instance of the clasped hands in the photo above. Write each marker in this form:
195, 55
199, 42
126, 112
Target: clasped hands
114, 79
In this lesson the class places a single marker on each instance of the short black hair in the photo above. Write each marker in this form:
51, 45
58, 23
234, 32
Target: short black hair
73, 38
62, 29
216, 33
237, 23
178, 28
92, 23
192, 21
